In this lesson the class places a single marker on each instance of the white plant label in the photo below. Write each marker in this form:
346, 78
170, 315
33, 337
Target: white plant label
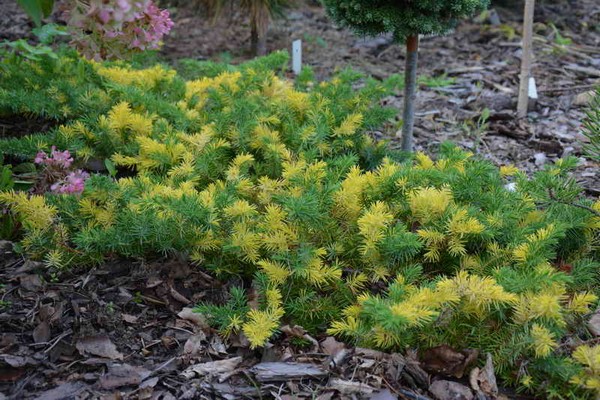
297, 56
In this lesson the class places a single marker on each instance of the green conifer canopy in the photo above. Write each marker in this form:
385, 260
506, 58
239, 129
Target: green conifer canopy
402, 18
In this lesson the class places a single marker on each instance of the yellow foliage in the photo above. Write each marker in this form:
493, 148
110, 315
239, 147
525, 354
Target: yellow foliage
349, 125
32, 211
275, 270
142, 78
478, 294
423, 161
429, 203
589, 357
543, 340
580, 303
374, 222
540, 305
199, 87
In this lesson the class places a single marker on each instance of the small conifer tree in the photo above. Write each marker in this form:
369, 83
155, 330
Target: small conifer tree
261, 14
406, 20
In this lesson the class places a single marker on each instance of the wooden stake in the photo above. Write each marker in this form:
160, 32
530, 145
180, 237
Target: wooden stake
526, 59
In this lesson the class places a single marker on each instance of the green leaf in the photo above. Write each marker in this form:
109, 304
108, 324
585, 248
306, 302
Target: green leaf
37, 9
110, 167
46, 33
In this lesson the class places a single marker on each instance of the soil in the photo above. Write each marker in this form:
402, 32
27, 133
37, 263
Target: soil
124, 330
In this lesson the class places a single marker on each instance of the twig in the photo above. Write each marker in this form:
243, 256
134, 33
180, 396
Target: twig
58, 339
565, 89
590, 209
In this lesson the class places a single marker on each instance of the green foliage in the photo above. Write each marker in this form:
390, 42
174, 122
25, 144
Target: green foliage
402, 18
37, 9
6, 221
45, 35
279, 186
591, 128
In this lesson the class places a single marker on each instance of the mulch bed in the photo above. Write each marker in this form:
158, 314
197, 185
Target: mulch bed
127, 331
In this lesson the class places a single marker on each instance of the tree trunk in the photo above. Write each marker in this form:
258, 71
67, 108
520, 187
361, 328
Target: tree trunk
410, 86
526, 59
258, 35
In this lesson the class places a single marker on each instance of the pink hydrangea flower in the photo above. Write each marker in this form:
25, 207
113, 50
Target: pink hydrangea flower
60, 159
57, 173
114, 28
73, 183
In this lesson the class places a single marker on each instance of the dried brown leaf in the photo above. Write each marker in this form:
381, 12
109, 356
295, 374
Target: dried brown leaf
98, 345
41, 333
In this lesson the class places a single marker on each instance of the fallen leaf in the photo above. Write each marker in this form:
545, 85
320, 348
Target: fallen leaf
30, 282
484, 380
130, 319
331, 346
325, 396
449, 390
17, 361
153, 281
178, 296
41, 333
11, 374
123, 375
68, 390
194, 345
216, 346
98, 345
447, 361
194, 317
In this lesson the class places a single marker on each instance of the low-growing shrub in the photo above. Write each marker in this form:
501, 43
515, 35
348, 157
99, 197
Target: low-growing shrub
591, 128
249, 176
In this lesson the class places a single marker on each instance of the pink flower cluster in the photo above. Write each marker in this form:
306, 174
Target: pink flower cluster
74, 183
61, 159
56, 172
114, 28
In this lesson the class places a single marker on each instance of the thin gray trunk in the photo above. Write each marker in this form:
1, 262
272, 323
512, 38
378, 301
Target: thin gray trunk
258, 41
410, 87
526, 57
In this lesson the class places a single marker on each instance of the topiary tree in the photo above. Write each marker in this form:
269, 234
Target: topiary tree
406, 20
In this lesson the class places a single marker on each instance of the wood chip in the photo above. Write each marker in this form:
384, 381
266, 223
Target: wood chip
281, 371
350, 387
212, 368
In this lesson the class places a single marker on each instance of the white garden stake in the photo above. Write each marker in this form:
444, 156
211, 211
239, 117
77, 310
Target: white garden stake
297, 56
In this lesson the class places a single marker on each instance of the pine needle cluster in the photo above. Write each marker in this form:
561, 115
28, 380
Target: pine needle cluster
250, 176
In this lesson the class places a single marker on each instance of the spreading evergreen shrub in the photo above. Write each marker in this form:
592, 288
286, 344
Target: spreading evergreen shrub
249, 176
591, 128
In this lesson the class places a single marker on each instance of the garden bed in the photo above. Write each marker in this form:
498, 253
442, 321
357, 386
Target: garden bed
273, 194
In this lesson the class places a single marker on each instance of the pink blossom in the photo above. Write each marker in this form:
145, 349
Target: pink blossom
60, 159
73, 183
113, 28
